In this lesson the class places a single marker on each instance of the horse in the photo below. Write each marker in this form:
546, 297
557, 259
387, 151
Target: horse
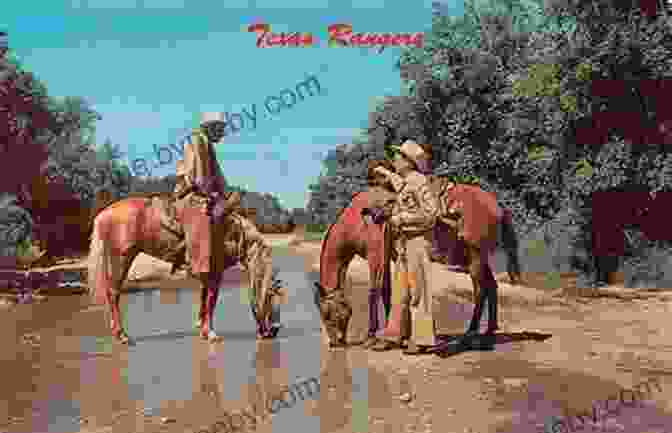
350, 235
125, 228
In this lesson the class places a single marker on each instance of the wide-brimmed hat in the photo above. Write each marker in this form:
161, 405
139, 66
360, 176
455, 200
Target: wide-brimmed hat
214, 116
412, 150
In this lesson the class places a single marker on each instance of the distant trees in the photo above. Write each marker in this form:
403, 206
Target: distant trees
48, 164
51, 168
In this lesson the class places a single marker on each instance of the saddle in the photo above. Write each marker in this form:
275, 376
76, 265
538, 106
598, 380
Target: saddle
230, 245
468, 209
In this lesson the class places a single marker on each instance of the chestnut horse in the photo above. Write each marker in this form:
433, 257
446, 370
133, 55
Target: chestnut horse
133, 225
350, 235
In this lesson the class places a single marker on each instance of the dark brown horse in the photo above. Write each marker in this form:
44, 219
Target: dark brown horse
350, 235
133, 225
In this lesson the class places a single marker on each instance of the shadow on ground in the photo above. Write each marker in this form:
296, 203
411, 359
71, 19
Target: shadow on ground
458, 343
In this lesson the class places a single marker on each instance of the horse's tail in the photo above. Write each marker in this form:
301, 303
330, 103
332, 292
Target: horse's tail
511, 245
100, 266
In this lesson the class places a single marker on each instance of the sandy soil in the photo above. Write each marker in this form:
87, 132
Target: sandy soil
600, 342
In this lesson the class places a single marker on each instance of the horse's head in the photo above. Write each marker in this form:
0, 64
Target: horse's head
268, 291
335, 312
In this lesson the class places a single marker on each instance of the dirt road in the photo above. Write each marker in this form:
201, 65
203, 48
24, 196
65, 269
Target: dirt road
62, 374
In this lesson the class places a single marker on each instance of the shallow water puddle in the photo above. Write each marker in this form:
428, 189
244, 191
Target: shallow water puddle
168, 366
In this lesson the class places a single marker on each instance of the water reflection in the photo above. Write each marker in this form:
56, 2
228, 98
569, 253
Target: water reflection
170, 364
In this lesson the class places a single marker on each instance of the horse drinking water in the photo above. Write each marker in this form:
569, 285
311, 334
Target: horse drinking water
135, 225
351, 235
468, 210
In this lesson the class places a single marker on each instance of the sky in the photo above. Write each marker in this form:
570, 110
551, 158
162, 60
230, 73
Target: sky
151, 67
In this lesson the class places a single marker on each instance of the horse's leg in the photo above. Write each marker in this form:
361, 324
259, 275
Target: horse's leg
485, 283
213, 294
114, 296
474, 253
376, 301
210, 287
489, 286
202, 309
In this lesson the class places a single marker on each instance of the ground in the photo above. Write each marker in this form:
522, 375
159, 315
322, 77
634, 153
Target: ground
598, 346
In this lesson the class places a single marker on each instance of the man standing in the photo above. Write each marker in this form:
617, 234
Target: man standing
413, 218
201, 201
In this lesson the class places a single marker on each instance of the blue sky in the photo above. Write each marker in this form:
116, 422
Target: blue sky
150, 67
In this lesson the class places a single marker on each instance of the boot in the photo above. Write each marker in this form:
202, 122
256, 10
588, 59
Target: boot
375, 317
395, 331
392, 330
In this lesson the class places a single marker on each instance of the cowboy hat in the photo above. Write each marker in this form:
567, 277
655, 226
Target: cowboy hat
412, 150
212, 117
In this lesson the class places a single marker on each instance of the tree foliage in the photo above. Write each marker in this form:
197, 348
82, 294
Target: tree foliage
50, 164
546, 103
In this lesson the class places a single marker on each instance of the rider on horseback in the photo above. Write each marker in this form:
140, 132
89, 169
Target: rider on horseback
201, 185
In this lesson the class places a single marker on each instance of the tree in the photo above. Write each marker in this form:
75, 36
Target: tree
516, 108
509, 94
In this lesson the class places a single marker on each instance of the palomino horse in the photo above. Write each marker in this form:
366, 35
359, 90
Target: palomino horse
350, 235
133, 225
